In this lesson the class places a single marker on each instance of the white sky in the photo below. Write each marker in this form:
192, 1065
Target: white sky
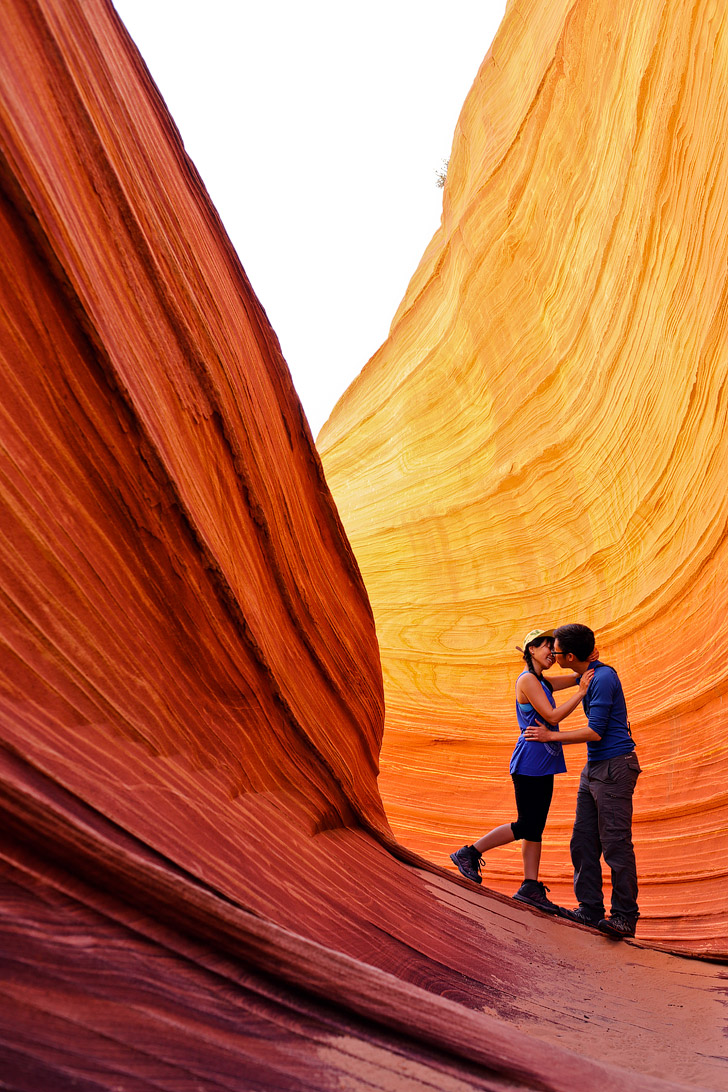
318, 128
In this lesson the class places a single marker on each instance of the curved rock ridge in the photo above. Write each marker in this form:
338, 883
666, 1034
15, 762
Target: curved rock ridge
198, 884
136, 358
542, 439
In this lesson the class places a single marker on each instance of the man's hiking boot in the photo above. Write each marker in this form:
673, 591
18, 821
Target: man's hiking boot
469, 861
533, 892
584, 916
618, 926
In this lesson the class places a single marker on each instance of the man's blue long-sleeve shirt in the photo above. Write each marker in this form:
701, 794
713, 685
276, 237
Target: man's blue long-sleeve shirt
606, 712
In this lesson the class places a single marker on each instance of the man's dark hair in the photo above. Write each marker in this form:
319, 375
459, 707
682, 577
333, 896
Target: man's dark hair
577, 639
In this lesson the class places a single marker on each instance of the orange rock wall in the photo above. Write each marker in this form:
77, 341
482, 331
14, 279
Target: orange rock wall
198, 885
134, 358
543, 439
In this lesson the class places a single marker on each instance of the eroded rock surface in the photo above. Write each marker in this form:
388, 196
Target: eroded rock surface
543, 439
198, 884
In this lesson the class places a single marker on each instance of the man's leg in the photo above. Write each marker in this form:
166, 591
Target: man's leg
586, 849
614, 801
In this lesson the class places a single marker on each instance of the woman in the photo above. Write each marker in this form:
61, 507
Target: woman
532, 769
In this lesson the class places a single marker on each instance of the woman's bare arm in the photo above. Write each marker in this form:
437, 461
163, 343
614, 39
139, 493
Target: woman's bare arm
562, 682
530, 690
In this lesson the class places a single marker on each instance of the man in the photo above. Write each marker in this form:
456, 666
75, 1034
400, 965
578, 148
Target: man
603, 822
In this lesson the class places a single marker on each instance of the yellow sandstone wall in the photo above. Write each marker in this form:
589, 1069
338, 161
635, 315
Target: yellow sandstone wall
543, 439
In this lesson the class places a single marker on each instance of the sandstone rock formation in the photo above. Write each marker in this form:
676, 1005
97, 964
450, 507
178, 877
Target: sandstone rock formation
543, 439
199, 886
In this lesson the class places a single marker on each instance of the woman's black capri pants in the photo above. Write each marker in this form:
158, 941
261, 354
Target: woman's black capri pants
533, 800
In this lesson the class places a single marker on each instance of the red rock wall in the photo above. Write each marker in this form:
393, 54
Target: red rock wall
543, 439
139, 355
198, 886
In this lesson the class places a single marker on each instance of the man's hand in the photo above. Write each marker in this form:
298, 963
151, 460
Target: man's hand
540, 732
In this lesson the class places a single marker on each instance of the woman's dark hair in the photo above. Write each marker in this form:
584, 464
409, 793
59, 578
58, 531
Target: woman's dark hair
577, 639
529, 659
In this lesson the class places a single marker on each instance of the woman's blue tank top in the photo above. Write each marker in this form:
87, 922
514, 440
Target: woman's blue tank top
530, 757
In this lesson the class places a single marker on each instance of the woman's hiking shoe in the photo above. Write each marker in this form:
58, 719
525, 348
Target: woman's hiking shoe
584, 916
618, 926
469, 861
533, 892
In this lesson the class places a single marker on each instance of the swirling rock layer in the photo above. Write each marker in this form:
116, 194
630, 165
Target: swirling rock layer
198, 884
543, 439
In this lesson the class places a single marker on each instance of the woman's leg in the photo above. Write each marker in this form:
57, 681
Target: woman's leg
533, 795
499, 836
531, 853
533, 799
469, 859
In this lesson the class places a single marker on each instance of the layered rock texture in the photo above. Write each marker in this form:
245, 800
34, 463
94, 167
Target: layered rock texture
543, 439
199, 888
